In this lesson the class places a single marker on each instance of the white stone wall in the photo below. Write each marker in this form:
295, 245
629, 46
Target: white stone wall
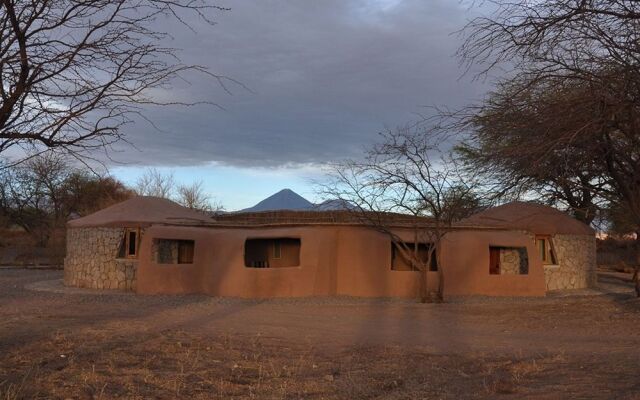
514, 261
165, 251
91, 260
576, 258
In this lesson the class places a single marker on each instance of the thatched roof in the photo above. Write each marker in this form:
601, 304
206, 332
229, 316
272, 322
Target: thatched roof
332, 217
532, 217
145, 211
142, 211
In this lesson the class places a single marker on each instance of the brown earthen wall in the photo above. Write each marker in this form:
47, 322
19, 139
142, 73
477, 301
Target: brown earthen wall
364, 266
218, 267
466, 260
351, 261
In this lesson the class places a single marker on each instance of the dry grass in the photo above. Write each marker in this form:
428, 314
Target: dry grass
61, 346
176, 364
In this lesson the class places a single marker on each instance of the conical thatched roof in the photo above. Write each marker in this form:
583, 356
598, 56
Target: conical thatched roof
141, 211
532, 217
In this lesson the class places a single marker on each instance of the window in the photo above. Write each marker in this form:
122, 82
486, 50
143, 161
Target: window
173, 251
508, 261
132, 243
546, 250
129, 244
277, 249
400, 263
272, 253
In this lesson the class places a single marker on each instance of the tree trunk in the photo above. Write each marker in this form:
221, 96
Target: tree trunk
440, 283
636, 268
424, 284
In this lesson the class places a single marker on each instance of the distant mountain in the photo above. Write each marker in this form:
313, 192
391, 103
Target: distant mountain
333, 205
287, 199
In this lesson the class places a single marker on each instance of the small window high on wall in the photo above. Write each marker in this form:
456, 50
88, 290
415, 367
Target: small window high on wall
401, 263
508, 261
545, 250
173, 251
129, 243
272, 252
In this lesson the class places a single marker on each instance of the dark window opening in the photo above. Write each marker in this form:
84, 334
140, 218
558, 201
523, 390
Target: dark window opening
173, 251
508, 261
129, 244
272, 253
400, 262
546, 250
132, 241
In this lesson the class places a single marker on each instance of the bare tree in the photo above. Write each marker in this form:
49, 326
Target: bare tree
195, 197
155, 183
41, 194
32, 195
84, 193
552, 38
407, 182
73, 72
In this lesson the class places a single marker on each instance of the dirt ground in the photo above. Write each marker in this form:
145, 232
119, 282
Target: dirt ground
90, 345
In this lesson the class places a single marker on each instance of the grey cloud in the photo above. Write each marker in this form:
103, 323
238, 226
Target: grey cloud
325, 77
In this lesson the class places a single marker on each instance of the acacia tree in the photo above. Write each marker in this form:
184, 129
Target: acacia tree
540, 140
407, 182
579, 61
73, 72
555, 38
571, 104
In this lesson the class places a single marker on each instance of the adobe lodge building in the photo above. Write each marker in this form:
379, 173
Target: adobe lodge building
154, 246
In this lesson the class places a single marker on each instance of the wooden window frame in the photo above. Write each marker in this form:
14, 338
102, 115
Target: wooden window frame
495, 260
184, 247
270, 250
432, 263
550, 255
277, 255
127, 237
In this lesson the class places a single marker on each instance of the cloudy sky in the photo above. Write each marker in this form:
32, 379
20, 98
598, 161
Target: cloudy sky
322, 79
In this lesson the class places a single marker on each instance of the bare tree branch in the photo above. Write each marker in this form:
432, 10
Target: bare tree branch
74, 72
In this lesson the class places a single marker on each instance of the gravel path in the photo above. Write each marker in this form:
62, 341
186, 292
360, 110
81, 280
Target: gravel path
36, 301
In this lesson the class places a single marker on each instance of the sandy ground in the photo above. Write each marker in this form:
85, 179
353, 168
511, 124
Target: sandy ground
61, 343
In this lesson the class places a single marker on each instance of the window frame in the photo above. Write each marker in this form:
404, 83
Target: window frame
180, 243
497, 250
127, 242
433, 261
550, 257
270, 250
277, 245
